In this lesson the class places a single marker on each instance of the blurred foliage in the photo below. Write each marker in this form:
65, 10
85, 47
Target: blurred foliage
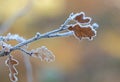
76, 61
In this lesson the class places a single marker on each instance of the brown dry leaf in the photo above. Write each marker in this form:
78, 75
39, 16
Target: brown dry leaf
83, 31
11, 63
80, 17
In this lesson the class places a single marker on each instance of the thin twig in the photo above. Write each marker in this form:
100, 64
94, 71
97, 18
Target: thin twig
27, 52
45, 35
50, 34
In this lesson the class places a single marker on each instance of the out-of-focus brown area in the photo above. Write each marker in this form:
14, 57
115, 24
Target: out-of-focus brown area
76, 61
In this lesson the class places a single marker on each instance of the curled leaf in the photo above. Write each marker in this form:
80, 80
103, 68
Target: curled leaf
44, 54
80, 17
11, 63
83, 31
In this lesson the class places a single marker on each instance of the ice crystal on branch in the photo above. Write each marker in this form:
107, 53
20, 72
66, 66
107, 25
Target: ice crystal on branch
12, 37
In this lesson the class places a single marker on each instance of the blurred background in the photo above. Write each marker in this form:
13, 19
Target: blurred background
76, 61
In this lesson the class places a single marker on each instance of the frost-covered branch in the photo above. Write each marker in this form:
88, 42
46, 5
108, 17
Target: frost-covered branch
81, 29
82, 23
